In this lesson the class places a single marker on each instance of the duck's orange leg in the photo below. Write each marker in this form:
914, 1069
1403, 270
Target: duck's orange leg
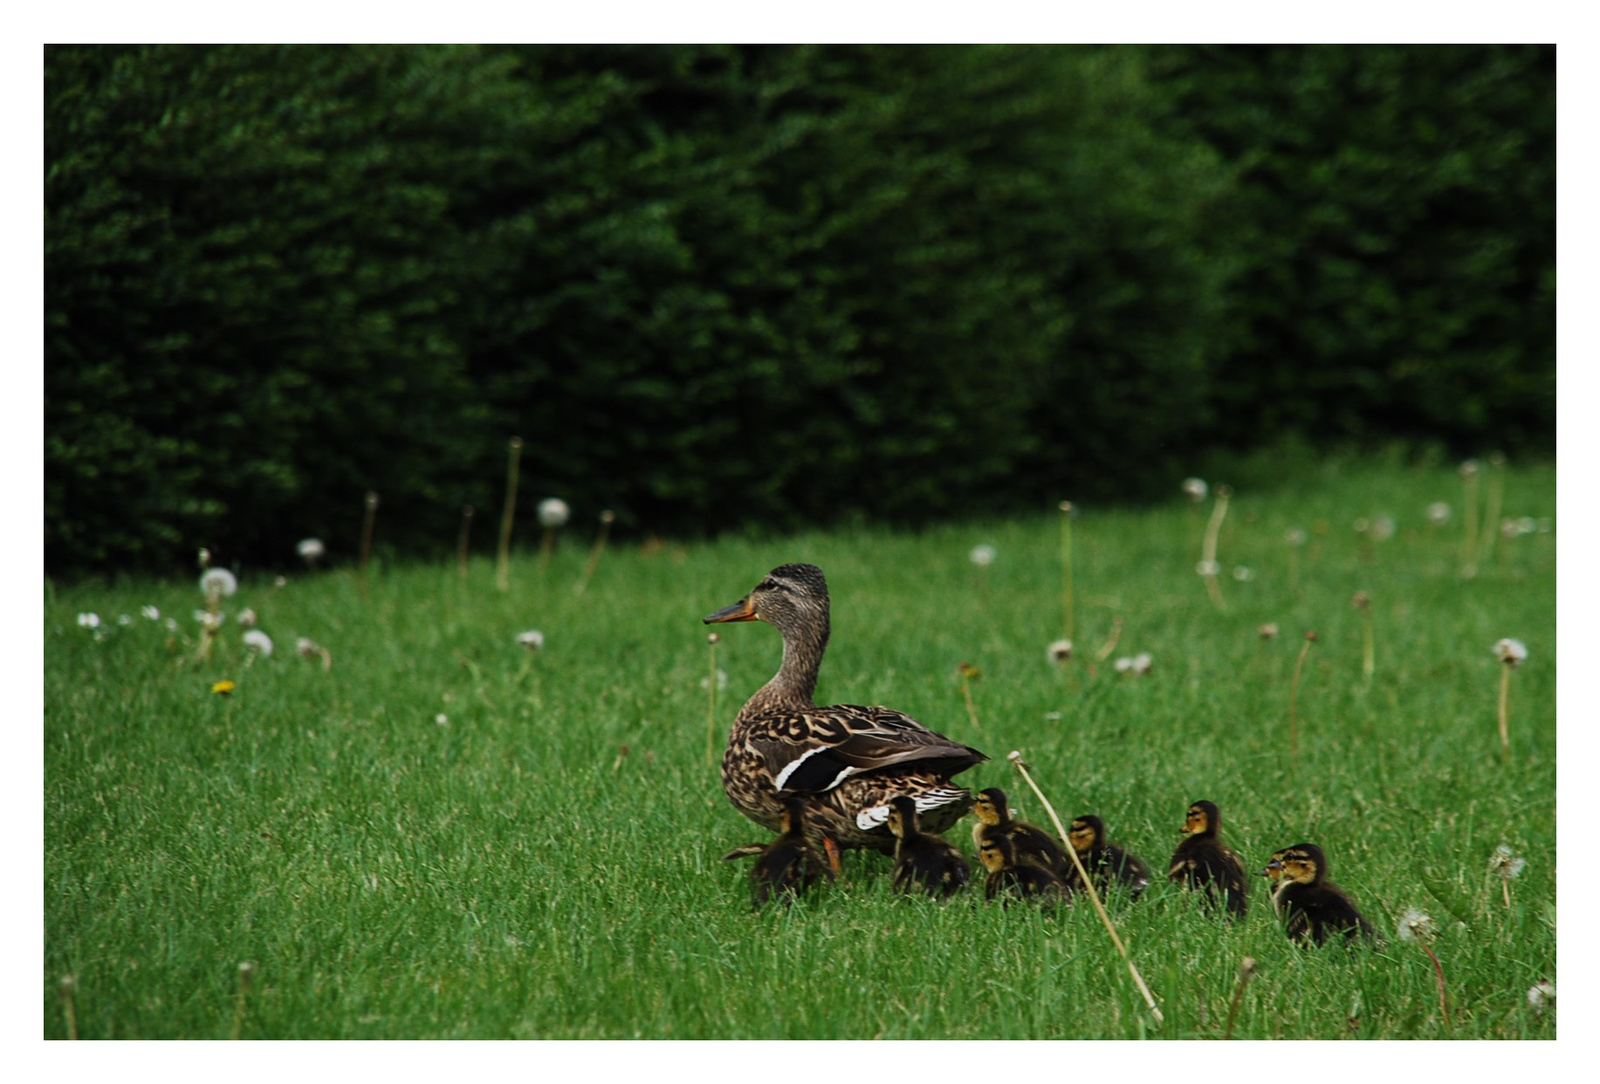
832, 850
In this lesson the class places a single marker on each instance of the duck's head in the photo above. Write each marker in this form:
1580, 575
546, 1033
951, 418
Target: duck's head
790, 596
1086, 833
989, 806
1303, 864
1273, 870
996, 853
902, 816
1202, 820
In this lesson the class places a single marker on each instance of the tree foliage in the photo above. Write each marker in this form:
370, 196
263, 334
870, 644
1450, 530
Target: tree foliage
730, 287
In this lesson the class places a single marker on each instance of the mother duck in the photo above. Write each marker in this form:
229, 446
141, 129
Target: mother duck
847, 761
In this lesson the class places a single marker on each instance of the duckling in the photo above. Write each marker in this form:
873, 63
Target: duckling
1272, 871
1106, 863
1308, 903
847, 760
1202, 862
922, 863
1033, 846
1010, 879
790, 864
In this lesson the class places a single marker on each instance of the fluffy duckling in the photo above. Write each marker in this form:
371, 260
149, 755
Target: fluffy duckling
1106, 863
922, 863
1273, 871
1201, 861
790, 864
1033, 846
1308, 903
1010, 878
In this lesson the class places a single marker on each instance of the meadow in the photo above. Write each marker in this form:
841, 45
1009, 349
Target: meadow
433, 832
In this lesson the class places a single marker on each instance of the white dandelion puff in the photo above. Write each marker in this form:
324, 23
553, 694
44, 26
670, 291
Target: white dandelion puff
1243, 574
1208, 568
1438, 513
1269, 631
982, 555
553, 512
1507, 863
311, 550
218, 583
1195, 489
259, 642
1416, 925
124, 619
210, 622
1542, 995
442, 719
533, 640
88, 621
247, 618
1059, 651
1511, 652
150, 613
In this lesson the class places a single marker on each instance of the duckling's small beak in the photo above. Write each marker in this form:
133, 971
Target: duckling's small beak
739, 611
1270, 866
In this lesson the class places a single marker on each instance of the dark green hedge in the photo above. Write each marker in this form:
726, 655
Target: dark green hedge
739, 287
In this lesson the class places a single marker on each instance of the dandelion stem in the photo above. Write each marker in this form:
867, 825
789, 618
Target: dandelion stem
1111, 641
606, 518
1294, 693
65, 989
1494, 492
711, 710
1438, 973
1088, 885
1469, 520
1505, 709
1247, 970
503, 559
1208, 549
462, 539
246, 969
369, 517
1066, 562
969, 671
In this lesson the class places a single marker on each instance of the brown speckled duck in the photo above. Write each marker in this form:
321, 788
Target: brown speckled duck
846, 761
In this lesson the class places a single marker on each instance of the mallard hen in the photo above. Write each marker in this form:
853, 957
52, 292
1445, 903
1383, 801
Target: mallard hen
846, 760
1202, 863
1308, 903
922, 862
1106, 863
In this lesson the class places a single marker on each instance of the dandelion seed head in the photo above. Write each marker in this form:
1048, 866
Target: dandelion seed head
1438, 513
310, 549
533, 640
218, 583
1416, 925
1542, 995
1508, 864
1269, 631
1195, 489
1059, 650
247, 618
442, 719
553, 512
124, 619
150, 613
713, 638
88, 621
259, 642
210, 622
307, 647
1243, 574
982, 555
1511, 652
1469, 469
1208, 568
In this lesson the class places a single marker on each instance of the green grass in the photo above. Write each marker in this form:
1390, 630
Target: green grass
545, 863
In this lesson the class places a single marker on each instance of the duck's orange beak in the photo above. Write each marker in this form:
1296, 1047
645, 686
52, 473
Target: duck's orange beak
739, 611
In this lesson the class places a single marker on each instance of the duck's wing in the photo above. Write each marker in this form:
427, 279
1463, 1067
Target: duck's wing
812, 751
